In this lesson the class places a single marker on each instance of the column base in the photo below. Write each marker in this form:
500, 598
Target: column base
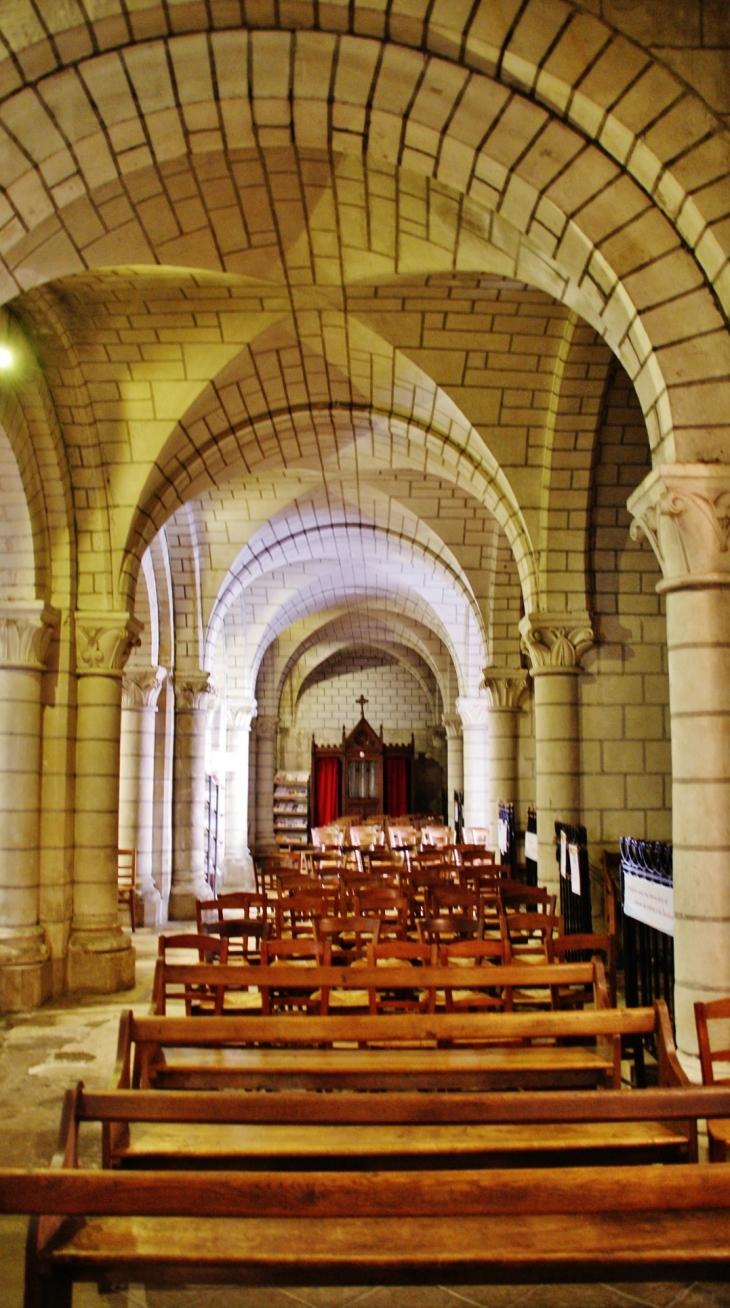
181, 906
25, 985
148, 908
238, 874
100, 961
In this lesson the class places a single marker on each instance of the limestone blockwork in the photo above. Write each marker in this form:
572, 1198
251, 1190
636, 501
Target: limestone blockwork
342, 337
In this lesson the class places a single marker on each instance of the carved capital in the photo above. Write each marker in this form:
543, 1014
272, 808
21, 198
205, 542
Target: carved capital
452, 725
241, 713
556, 642
505, 687
26, 629
103, 642
194, 692
473, 711
683, 510
141, 687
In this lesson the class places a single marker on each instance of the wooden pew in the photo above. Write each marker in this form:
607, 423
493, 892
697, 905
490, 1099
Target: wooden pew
387, 1131
361, 1227
392, 1051
245, 984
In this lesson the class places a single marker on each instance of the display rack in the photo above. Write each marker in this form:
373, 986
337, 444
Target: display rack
291, 808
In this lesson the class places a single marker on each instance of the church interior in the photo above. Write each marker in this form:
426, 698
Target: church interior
364, 366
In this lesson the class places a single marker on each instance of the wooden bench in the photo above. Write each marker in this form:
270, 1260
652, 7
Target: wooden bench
391, 1051
348, 1227
352, 986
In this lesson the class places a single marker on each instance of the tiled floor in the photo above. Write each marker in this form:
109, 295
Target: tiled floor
42, 1052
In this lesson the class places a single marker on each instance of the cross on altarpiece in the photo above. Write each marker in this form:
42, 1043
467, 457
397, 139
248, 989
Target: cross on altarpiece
362, 701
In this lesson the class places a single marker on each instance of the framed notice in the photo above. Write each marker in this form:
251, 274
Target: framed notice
649, 901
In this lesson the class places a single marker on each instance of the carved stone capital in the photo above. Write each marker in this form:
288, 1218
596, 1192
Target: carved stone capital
683, 510
505, 687
26, 629
104, 641
141, 687
241, 713
473, 711
452, 725
194, 692
556, 642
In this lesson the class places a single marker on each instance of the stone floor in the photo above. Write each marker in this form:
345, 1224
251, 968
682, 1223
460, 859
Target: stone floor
42, 1052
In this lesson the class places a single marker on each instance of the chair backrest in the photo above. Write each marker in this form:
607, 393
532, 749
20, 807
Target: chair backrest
348, 937
449, 928
580, 948
197, 998
400, 837
477, 836
239, 903
715, 1010
471, 976
436, 837
529, 899
528, 932
366, 837
296, 913
383, 999
389, 905
126, 869
303, 998
448, 898
328, 837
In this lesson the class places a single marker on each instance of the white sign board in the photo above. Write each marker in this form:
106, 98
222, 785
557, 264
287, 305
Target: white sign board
649, 902
574, 869
531, 845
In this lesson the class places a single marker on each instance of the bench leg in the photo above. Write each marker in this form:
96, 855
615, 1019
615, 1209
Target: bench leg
51, 1289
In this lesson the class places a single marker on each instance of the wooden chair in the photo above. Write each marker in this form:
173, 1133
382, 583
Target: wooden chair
417, 1000
715, 1010
297, 999
452, 899
127, 881
580, 948
527, 899
295, 913
230, 915
199, 1000
436, 836
469, 985
389, 905
348, 938
449, 928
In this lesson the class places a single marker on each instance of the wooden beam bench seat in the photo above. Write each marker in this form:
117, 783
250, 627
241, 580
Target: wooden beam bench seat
299, 1228
389, 1130
394, 1051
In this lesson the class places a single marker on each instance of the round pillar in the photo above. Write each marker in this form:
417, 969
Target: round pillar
193, 698
266, 732
474, 725
238, 866
505, 688
100, 954
140, 692
25, 966
682, 509
555, 644
454, 759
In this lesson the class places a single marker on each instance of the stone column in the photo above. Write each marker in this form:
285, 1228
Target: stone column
474, 725
238, 864
266, 732
454, 759
100, 954
555, 643
193, 698
25, 965
140, 692
684, 511
505, 688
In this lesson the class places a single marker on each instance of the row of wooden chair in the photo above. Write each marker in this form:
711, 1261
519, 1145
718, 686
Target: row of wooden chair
351, 941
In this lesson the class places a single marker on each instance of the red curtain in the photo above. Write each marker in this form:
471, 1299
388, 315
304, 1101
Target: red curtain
326, 791
396, 785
